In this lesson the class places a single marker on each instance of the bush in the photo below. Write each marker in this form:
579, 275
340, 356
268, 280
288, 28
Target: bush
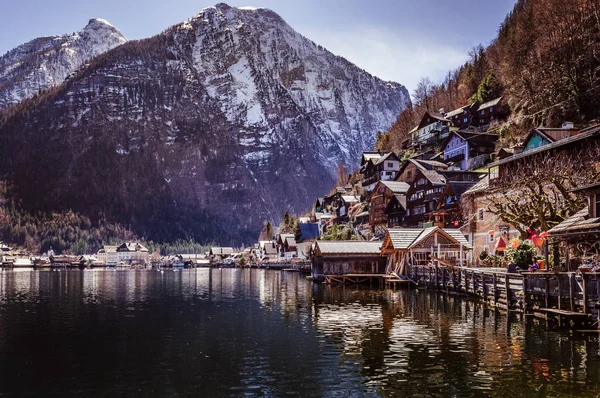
522, 255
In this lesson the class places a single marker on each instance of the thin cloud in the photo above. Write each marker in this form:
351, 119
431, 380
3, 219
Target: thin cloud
390, 56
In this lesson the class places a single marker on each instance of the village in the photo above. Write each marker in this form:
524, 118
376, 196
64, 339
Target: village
455, 210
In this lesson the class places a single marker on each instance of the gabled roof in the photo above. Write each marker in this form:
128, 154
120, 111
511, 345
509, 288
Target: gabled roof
407, 238
109, 249
387, 156
221, 250
431, 163
539, 132
432, 115
400, 199
458, 111
131, 247
489, 104
479, 139
348, 247
434, 177
396, 186
366, 156
290, 241
309, 231
350, 199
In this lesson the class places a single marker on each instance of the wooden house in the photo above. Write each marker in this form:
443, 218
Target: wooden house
347, 258
395, 211
463, 116
432, 127
287, 247
427, 189
468, 151
408, 170
380, 197
344, 205
382, 168
404, 246
489, 112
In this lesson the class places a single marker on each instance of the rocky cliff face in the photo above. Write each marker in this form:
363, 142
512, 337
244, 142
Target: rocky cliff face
47, 61
203, 131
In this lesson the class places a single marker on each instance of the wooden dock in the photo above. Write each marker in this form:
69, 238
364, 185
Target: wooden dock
567, 298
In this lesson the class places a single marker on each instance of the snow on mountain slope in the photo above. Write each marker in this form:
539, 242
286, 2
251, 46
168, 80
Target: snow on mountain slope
46, 62
202, 131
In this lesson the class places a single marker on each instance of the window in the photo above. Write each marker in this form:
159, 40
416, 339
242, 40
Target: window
597, 205
492, 109
465, 120
390, 164
480, 215
483, 112
491, 238
409, 174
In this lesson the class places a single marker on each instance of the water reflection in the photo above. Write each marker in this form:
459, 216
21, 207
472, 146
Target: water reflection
224, 332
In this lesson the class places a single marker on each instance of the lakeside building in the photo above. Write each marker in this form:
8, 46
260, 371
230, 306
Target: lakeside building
346, 258
126, 253
402, 246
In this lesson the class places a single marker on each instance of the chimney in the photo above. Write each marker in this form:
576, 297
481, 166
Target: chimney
442, 112
568, 125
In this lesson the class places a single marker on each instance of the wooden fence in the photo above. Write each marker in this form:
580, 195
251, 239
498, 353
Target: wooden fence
567, 296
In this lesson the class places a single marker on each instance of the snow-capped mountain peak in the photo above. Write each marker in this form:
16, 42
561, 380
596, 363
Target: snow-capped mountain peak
46, 62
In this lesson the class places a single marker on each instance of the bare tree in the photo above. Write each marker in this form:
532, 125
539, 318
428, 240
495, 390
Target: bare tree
535, 192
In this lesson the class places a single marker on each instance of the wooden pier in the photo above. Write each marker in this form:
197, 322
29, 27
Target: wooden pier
567, 298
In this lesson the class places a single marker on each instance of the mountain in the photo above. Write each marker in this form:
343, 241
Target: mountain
202, 131
46, 62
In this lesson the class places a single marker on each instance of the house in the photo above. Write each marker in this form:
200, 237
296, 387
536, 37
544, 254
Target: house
488, 112
220, 253
540, 136
395, 210
579, 234
345, 204
64, 261
424, 193
129, 252
383, 168
433, 127
468, 151
463, 116
286, 246
381, 195
408, 170
108, 255
404, 246
482, 227
267, 251
346, 257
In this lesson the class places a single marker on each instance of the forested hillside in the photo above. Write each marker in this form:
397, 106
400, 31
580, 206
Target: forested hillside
545, 63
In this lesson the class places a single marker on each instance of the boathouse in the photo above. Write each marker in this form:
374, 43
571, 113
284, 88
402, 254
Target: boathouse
347, 259
402, 246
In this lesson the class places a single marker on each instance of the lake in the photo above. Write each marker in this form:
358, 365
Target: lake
247, 332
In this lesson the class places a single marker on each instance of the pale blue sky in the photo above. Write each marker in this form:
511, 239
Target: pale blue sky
400, 40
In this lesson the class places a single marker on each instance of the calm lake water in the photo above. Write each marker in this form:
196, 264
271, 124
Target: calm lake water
228, 332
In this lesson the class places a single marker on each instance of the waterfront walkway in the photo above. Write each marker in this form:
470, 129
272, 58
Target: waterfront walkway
566, 297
